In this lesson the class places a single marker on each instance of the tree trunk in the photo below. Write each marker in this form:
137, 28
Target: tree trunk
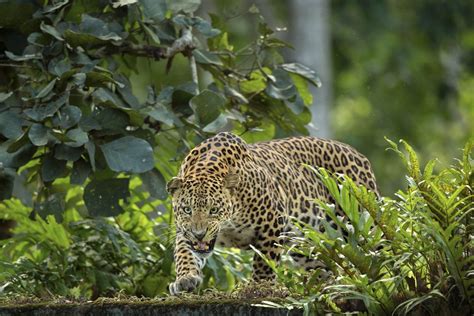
310, 34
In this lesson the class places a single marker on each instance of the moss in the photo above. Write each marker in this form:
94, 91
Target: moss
244, 300
207, 304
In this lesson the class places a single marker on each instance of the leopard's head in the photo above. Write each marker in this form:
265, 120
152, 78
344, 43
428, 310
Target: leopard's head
201, 205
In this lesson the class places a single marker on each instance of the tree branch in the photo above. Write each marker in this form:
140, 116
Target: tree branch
184, 45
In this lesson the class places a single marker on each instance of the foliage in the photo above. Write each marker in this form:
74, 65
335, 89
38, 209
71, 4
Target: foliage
68, 109
84, 258
409, 255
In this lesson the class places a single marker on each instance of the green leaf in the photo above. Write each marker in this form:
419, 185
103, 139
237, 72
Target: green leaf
102, 197
18, 143
99, 29
303, 89
235, 95
10, 125
151, 34
93, 32
47, 89
59, 67
121, 3
108, 98
52, 168
90, 147
54, 205
88, 123
282, 87
128, 154
155, 184
186, 6
78, 137
64, 152
205, 28
99, 79
217, 125
162, 114
25, 57
205, 57
67, 117
17, 159
38, 134
112, 119
303, 71
207, 106
255, 84
41, 112
56, 6
202, 26
4, 96
154, 9
48, 29
80, 171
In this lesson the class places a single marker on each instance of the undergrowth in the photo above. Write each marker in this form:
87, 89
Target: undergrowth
412, 254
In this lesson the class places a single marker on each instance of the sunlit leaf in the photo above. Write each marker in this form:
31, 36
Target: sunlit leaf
303, 71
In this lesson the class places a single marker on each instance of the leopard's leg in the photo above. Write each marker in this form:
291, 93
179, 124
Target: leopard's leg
188, 267
267, 244
261, 270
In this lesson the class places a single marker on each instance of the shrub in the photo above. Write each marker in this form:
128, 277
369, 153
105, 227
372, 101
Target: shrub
411, 254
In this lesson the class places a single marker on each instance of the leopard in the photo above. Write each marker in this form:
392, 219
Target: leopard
232, 193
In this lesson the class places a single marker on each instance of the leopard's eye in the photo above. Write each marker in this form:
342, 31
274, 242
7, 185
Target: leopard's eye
214, 210
187, 210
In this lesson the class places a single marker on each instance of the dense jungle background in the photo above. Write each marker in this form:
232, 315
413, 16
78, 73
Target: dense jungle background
101, 100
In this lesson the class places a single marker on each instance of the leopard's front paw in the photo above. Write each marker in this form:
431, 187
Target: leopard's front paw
185, 284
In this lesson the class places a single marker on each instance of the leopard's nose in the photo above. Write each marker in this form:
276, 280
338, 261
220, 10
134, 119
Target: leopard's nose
199, 234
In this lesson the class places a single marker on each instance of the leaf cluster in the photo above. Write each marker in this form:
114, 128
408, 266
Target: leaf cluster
68, 109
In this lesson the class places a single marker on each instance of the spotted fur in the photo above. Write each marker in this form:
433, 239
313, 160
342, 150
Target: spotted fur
236, 194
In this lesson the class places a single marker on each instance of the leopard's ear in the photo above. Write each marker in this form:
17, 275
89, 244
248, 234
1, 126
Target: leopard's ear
231, 181
173, 185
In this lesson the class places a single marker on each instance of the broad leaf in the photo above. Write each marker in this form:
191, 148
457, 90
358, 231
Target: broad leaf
10, 125
47, 89
128, 154
187, 6
64, 152
67, 117
52, 168
78, 137
303, 71
155, 184
102, 197
207, 106
80, 171
54, 205
41, 112
154, 9
204, 57
38, 134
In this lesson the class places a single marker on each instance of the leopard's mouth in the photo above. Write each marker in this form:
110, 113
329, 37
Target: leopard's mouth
203, 247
